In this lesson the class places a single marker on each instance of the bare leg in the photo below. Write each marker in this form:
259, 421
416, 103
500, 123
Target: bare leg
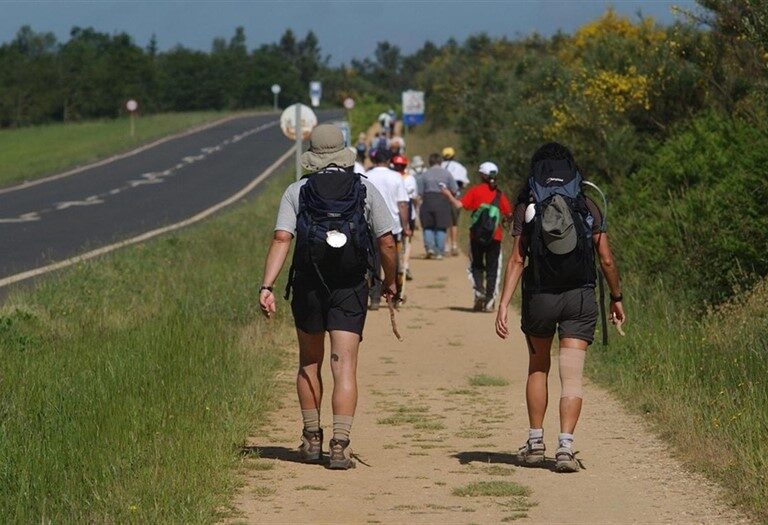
344, 346
570, 407
536, 391
309, 381
453, 238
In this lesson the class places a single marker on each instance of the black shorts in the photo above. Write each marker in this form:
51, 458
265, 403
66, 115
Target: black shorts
315, 311
455, 216
573, 313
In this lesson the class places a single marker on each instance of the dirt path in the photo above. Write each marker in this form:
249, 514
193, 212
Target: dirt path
422, 432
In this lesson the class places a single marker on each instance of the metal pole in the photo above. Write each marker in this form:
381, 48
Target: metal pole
133, 125
298, 130
275, 99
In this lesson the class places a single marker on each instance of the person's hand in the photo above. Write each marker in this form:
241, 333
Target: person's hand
617, 313
445, 191
407, 231
267, 303
389, 290
502, 329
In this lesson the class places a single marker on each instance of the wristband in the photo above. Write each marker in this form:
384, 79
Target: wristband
616, 299
267, 288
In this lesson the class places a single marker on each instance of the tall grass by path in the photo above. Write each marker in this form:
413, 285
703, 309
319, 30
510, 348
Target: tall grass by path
699, 380
31, 152
128, 383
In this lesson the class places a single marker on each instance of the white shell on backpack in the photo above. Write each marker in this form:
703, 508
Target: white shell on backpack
335, 239
530, 212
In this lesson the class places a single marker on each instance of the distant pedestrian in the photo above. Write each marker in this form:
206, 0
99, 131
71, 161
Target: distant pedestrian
489, 206
416, 168
392, 188
400, 165
361, 147
557, 230
337, 218
435, 210
459, 174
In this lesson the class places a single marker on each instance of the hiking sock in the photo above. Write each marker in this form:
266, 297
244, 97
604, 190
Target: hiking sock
341, 427
566, 440
535, 434
311, 419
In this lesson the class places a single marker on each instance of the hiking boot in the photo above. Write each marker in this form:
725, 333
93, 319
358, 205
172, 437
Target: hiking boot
455, 251
340, 454
408, 276
532, 453
479, 304
489, 304
311, 447
375, 305
439, 257
566, 460
430, 254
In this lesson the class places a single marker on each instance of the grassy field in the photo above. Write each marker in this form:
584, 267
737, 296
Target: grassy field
129, 383
27, 153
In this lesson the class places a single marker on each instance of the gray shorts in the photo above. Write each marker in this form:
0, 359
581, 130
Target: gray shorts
573, 313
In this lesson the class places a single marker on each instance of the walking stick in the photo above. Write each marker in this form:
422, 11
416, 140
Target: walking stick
392, 319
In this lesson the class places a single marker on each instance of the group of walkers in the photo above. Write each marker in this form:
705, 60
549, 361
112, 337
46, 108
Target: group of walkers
347, 228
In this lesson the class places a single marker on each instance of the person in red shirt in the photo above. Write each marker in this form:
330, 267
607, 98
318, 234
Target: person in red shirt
486, 253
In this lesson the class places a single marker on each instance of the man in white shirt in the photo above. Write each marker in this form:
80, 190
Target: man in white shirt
391, 186
459, 173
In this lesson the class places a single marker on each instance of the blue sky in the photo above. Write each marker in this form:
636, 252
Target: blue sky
346, 29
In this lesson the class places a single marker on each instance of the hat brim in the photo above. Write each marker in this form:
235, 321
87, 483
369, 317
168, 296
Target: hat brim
560, 245
311, 161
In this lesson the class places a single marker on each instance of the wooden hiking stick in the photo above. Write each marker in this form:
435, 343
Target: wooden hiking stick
392, 319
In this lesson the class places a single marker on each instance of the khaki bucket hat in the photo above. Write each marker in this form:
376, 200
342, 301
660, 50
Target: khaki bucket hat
326, 148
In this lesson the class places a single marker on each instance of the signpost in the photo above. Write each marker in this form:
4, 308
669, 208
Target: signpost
413, 107
276, 91
132, 106
315, 92
297, 122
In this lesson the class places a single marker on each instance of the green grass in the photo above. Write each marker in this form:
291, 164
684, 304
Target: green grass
700, 381
486, 380
28, 153
128, 384
492, 488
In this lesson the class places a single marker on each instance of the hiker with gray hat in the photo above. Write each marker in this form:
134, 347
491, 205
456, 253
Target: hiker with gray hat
336, 217
557, 230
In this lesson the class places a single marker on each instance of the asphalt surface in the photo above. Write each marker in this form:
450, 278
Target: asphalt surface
159, 186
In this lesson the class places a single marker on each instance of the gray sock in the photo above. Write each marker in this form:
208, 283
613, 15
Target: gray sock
341, 427
311, 419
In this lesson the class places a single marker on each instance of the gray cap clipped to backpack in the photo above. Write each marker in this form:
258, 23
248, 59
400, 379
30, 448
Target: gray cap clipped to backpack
557, 227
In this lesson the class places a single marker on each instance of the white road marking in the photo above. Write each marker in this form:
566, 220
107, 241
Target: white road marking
150, 234
89, 201
35, 182
26, 217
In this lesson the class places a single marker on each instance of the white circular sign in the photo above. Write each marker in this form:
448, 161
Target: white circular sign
349, 103
275, 89
132, 105
308, 121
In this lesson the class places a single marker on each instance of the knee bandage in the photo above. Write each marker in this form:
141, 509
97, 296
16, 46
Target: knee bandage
571, 363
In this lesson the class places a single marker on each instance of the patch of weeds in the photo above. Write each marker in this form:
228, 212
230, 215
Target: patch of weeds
434, 506
260, 465
387, 360
418, 454
262, 491
492, 488
389, 446
405, 507
435, 286
514, 517
428, 425
442, 279
455, 343
414, 326
440, 483
486, 380
470, 433
462, 392
311, 487
498, 470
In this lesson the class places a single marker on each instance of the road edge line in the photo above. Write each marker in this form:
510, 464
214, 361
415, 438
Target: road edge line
36, 272
119, 156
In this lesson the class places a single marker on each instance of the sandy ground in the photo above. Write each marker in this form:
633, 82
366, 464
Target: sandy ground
422, 431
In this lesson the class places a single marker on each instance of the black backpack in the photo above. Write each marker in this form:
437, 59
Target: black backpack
485, 220
332, 201
546, 271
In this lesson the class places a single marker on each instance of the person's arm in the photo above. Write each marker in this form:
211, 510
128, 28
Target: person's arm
611, 273
388, 253
402, 207
453, 200
514, 270
278, 252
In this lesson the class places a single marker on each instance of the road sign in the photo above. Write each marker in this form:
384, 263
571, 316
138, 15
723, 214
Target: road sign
315, 92
349, 103
413, 107
288, 121
276, 89
131, 105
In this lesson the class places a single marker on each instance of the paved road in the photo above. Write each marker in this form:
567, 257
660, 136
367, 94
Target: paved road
162, 185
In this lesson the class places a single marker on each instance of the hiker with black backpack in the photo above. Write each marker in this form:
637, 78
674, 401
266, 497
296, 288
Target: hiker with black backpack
336, 217
489, 206
557, 230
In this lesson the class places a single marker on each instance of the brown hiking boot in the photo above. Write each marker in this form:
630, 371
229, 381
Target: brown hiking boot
532, 453
340, 455
311, 447
566, 460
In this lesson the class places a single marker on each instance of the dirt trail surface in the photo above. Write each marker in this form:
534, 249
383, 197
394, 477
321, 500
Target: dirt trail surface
424, 435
